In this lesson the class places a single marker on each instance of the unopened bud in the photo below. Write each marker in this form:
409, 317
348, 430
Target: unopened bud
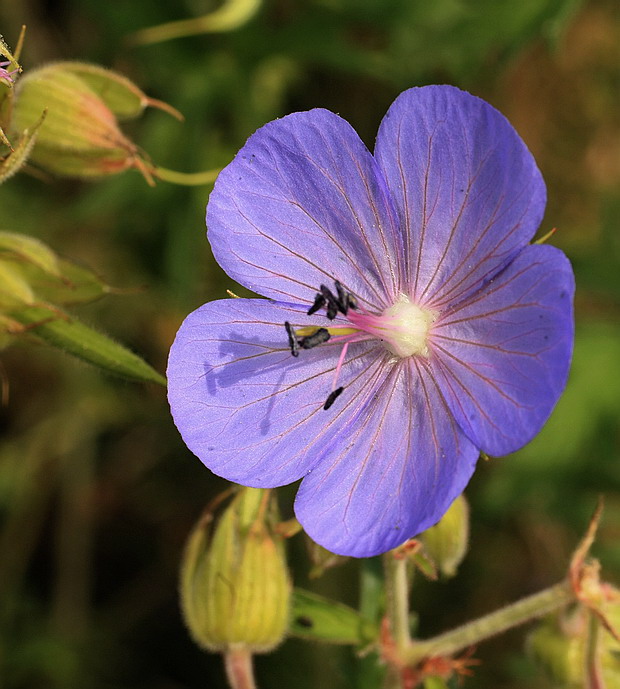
235, 588
446, 542
80, 136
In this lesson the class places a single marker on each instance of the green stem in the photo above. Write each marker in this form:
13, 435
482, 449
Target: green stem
188, 179
593, 670
397, 600
469, 634
239, 670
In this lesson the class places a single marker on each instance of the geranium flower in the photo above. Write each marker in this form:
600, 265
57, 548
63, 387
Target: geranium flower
408, 323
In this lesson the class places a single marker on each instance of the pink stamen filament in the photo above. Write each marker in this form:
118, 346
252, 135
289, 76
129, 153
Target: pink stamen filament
343, 354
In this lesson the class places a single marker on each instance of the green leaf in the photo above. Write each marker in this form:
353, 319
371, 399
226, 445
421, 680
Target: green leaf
321, 619
65, 332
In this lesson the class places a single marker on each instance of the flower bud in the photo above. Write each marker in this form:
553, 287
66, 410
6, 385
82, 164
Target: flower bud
80, 135
446, 542
235, 588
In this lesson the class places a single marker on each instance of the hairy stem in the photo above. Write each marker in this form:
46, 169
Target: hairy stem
239, 670
397, 600
530, 608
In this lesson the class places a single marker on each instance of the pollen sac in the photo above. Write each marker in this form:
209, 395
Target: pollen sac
332, 397
235, 588
319, 337
319, 302
334, 304
293, 343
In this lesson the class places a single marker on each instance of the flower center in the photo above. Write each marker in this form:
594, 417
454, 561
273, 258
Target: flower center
406, 328
403, 328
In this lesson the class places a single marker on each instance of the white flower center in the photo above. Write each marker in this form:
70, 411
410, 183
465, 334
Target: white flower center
407, 327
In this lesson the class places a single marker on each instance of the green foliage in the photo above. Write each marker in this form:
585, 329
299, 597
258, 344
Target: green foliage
30, 274
317, 618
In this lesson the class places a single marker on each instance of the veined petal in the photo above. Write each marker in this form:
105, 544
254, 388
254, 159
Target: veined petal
404, 462
468, 192
249, 410
304, 203
502, 357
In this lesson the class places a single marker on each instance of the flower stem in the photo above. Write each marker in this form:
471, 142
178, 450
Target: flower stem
397, 600
532, 607
594, 679
190, 179
239, 670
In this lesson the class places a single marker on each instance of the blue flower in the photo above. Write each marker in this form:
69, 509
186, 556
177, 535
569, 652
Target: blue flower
408, 322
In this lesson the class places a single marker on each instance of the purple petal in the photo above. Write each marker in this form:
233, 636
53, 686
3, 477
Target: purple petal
502, 357
468, 192
303, 203
249, 410
403, 463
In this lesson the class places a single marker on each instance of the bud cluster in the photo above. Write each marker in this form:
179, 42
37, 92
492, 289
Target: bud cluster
64, 117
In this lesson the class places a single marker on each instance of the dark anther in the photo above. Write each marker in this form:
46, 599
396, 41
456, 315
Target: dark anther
319, 300
345, 300
292, 339
332, 310
332, 302
333, 396
317, 338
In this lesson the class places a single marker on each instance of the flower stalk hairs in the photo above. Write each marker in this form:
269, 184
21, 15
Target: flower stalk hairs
408, 322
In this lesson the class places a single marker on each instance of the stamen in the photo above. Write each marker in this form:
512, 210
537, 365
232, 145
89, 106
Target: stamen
343, 298
319, 300
317, 338
332, 397
343, 354
292, 339
403, 328
332, 302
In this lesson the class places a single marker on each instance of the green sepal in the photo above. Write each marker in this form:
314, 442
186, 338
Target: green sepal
22, 247
75, 284
15, 291
317, 618
51, 278
120, 94
19, 154
425, 565
57, 328
6, 52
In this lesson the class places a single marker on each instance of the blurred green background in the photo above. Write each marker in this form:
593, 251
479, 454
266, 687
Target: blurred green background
97, 491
